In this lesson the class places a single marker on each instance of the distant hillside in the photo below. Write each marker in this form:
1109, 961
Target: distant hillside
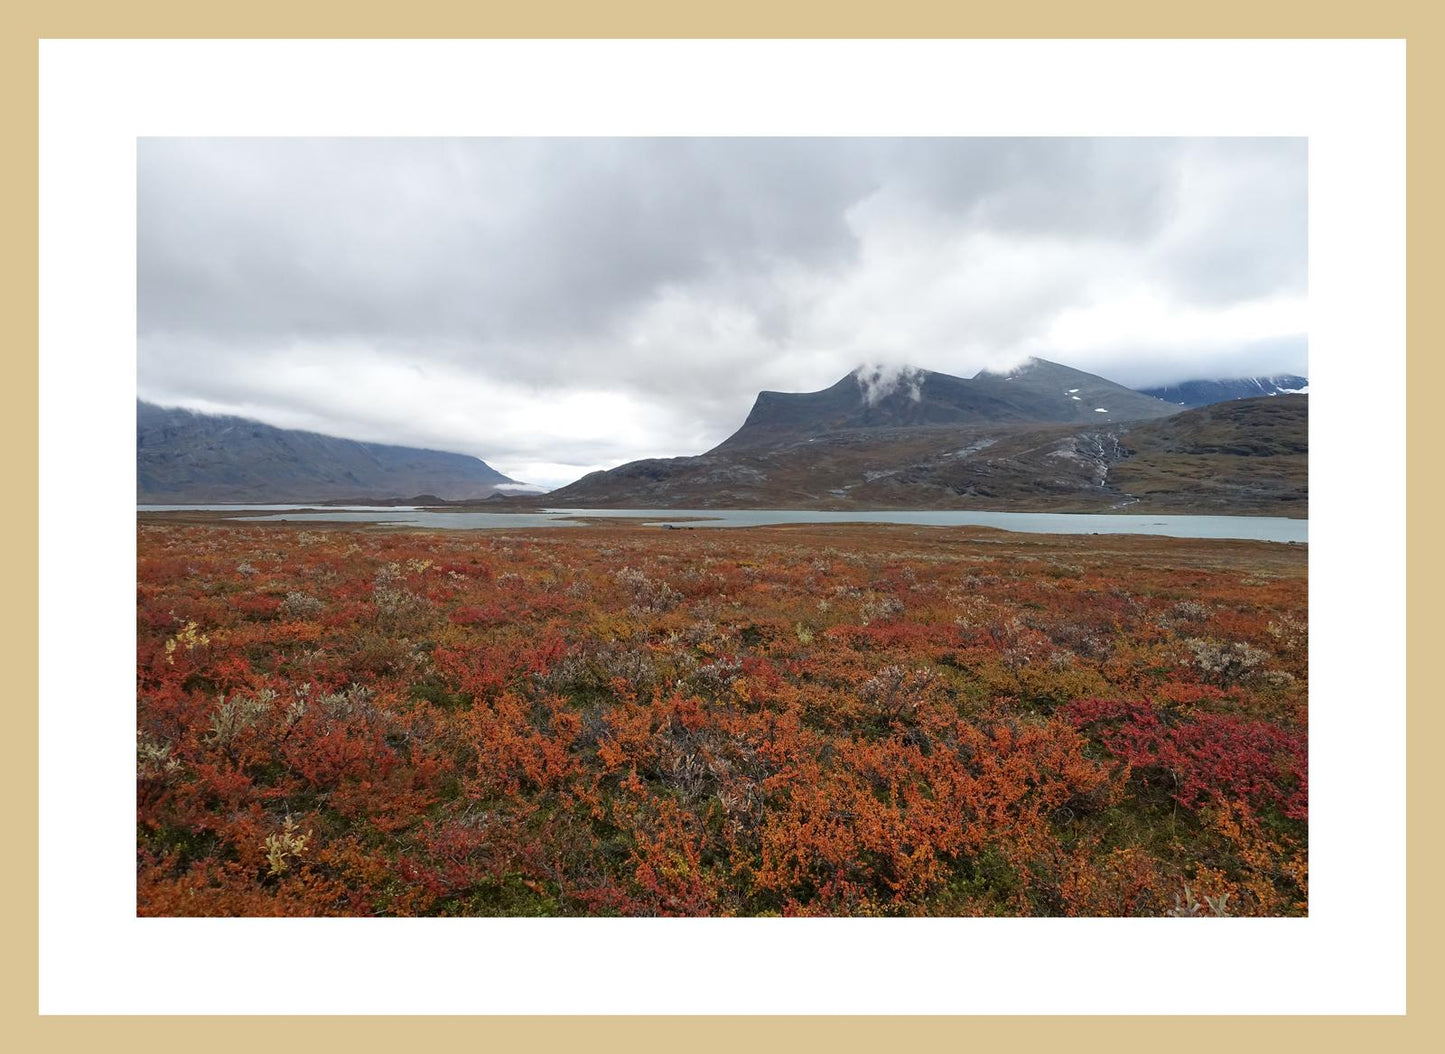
1243, 456
1203, 393
1246, 454
183, 456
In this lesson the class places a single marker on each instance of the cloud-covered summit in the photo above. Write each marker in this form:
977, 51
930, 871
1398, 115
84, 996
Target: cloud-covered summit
878, 381
559, 305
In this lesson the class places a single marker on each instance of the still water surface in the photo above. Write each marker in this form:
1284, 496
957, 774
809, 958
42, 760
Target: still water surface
1257, 528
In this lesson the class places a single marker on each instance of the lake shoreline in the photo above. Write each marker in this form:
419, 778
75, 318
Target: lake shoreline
532, 507
1244, 528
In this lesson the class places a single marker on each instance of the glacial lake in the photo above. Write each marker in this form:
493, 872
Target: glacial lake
1252, 528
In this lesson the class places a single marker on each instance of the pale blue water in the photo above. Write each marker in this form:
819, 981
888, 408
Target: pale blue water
264, 508
1256, 528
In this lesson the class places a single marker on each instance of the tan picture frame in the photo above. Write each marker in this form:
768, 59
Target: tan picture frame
30, 22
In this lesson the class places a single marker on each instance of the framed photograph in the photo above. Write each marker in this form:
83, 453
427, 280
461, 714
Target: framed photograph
825, 540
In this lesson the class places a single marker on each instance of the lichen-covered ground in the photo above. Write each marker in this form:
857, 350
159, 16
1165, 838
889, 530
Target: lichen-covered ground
792, 720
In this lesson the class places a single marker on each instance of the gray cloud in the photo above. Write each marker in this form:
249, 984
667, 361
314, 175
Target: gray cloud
559, 305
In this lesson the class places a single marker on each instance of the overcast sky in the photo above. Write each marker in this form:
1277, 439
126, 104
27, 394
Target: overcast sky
554, 306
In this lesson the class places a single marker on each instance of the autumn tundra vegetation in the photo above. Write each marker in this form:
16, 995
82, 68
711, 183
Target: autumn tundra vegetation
618, 720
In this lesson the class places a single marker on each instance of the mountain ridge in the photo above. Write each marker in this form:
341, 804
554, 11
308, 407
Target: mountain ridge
1036, 392
187, 456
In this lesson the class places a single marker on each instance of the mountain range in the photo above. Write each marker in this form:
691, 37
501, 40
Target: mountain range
1202, 393
1043, 437
188, 457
